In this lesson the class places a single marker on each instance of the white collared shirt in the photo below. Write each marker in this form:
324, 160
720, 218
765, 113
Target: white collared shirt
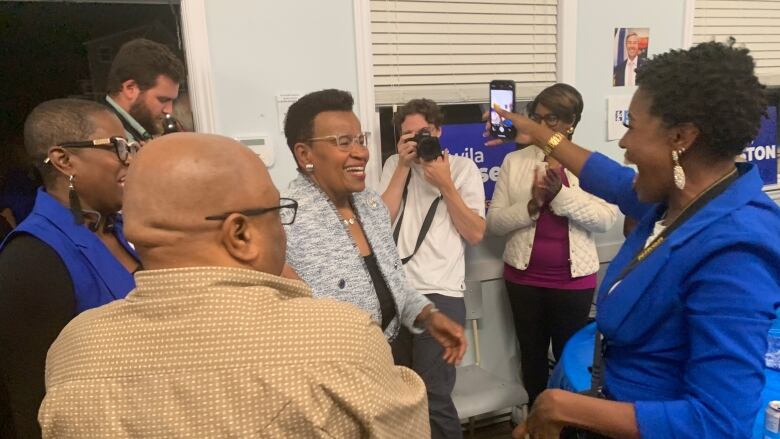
630, 72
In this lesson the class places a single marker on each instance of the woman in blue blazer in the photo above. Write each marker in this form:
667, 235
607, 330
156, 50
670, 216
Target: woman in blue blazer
69, 254
687, 302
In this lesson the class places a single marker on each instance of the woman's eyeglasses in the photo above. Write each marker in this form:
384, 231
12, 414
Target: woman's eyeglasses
287, 209
123, 149
344, 142
550, 119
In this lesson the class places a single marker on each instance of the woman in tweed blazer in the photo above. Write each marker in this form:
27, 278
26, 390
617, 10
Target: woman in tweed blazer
341, 243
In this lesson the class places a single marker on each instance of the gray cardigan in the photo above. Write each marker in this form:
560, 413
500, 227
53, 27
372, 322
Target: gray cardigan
325, 256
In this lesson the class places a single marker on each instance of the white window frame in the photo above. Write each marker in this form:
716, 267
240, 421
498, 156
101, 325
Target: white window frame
369, 117
199, 78
196, 46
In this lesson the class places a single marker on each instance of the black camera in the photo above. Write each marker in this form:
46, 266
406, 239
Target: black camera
428, 146
170, 124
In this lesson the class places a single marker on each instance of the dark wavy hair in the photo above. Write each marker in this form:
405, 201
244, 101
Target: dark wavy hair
424, 107
712, 86
143, 61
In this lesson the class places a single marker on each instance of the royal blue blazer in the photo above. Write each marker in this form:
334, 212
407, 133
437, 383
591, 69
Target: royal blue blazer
98, 277
686, 330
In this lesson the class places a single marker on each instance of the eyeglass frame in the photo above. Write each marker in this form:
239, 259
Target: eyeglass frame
536, 117
259, 211
101, 144
334, 140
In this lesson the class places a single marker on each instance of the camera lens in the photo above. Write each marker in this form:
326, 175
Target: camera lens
428, 146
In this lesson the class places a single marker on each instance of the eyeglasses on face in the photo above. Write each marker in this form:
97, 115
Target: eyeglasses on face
287, 209
123, 149
551, 119
344, 142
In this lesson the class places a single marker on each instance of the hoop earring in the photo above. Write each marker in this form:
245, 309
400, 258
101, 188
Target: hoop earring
309, 167
679, 174
75, 203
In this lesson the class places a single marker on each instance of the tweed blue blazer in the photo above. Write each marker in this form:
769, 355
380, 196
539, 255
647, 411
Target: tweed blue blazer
325, 256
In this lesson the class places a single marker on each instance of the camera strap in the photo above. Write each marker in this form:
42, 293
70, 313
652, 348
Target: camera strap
139, 137
425, 225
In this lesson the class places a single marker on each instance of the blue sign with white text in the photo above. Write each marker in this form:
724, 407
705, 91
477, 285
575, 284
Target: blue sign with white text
763, 149
466, 140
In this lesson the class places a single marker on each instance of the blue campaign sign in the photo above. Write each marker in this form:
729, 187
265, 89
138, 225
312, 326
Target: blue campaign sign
763, 150
466, 140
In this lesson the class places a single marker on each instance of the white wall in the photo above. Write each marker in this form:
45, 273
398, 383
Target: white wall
595, 27
260, 49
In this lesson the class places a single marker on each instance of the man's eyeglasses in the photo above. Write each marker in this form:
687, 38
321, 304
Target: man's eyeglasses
287, 209
123, 149
344, 141
550, 119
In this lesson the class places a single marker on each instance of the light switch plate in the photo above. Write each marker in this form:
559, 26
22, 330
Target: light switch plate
261, 146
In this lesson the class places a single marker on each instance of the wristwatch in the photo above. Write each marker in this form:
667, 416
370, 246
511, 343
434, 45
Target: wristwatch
554, 140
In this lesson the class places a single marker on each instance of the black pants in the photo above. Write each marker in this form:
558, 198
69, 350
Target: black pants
542, 315
422, 353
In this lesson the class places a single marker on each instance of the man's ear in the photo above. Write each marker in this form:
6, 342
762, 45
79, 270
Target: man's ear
239, 238
130, 90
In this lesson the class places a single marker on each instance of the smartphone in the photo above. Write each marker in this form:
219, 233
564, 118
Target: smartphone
502, 93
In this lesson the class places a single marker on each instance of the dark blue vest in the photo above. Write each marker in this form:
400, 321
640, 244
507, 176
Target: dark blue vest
98, 277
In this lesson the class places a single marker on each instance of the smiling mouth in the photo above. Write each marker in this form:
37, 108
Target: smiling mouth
356, 170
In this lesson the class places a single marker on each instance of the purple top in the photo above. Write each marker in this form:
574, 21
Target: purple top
549, 265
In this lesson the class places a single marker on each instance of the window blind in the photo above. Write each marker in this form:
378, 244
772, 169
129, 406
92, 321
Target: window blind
449, 50
754, 24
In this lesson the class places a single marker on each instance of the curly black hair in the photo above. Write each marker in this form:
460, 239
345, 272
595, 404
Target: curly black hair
299, 122
424, 107
711, 85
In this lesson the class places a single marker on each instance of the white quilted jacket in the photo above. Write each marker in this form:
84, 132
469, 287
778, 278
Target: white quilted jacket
508, 214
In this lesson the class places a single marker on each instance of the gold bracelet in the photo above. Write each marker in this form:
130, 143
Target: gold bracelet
554, 141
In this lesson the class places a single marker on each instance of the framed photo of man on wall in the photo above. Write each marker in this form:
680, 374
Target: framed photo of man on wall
630, 52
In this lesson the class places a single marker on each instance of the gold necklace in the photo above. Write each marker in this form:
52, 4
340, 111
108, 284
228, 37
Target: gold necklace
717, 182
660, 239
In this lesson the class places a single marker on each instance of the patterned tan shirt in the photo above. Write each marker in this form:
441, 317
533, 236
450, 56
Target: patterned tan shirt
224, 352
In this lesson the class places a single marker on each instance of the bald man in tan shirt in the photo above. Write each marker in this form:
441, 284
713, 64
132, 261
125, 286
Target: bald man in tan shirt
212, 342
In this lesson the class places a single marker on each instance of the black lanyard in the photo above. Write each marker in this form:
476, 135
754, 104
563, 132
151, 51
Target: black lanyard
705, 197
599, 348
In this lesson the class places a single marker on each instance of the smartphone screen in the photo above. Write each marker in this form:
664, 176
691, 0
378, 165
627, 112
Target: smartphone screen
502, 93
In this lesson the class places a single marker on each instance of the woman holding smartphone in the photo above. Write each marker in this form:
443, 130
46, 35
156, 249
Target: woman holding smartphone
685, 306
550, 259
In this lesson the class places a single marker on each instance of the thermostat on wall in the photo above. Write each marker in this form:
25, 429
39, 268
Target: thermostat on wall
261, 146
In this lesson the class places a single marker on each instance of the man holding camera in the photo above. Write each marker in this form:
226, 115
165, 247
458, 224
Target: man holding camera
437, 205
142, 84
